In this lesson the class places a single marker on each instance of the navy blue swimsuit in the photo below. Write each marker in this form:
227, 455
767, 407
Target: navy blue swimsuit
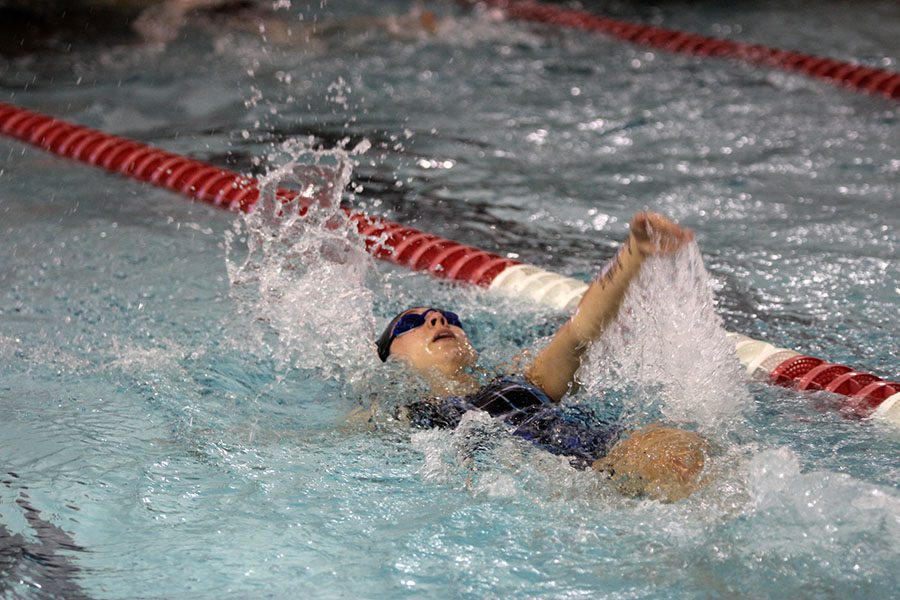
526, 412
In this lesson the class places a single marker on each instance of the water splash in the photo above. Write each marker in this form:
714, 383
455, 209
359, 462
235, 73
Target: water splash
669, 351
481, 458
821, 518
298, 280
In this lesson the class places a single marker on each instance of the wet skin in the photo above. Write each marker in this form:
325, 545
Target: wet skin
436, 349
660, 462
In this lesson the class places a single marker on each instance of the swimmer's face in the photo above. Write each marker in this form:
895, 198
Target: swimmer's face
436, 345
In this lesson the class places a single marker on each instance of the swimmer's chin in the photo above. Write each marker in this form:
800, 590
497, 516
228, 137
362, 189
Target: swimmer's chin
450, 351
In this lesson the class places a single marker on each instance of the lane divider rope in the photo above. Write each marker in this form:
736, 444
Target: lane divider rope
865, 395
849, 75
226, 189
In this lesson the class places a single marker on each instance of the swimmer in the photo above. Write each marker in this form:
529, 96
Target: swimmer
659, 462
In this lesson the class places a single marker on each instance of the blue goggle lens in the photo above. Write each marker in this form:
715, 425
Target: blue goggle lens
410, 321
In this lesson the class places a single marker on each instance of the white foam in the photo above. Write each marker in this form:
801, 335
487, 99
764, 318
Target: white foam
669, 350
302, 279
8, 346
164, 356
817, 509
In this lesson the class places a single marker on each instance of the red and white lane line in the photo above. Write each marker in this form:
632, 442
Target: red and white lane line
226, 189
866, 395
849, 75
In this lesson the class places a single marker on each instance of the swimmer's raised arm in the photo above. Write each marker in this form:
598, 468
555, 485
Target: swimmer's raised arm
553, 369
656, 461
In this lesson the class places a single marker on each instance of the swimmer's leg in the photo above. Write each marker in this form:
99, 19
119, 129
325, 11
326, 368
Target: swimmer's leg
553, 370
659, 462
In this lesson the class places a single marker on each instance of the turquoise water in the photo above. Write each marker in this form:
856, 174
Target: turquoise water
158, 441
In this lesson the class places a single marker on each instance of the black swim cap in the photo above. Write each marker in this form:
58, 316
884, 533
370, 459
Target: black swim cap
408, 320
385, 339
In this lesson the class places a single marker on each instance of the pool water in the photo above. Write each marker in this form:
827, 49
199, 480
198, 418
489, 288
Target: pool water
175, 380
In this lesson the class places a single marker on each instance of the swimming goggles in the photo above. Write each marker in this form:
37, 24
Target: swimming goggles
407, 322
410, 321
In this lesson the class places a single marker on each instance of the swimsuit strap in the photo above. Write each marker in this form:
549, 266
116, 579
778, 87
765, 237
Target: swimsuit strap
508, 394
526, 412
511, 398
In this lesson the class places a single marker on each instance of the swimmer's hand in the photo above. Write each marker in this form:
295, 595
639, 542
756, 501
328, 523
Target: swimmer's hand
654, 233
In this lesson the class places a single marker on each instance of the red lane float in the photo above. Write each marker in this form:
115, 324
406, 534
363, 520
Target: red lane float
867, 394
849, 75
864, 392
223, 188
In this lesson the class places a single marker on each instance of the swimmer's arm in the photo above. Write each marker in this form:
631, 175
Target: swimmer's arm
553, 370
